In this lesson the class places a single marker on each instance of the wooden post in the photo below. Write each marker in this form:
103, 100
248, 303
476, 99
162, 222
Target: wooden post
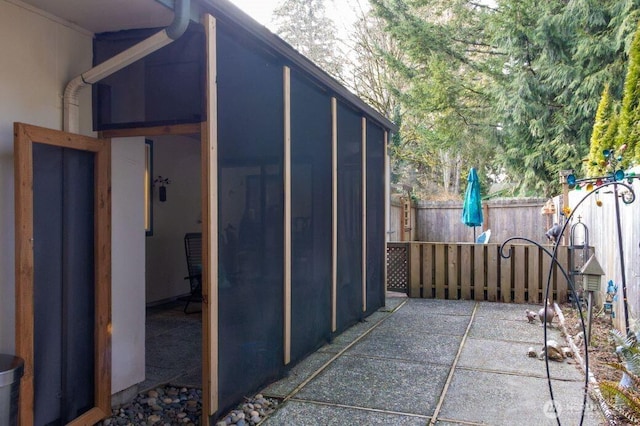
286, 83
334, 214
415, 260
565, 199
406, 219
441, 270
427, 271
387, 206
209, 143
478, 271
364, 214
487, 223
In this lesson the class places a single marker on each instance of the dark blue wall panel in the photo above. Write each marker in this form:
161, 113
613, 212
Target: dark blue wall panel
349, 285
310, 217
251, 218
64, 307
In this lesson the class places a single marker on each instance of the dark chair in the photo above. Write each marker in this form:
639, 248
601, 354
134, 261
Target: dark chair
193, 251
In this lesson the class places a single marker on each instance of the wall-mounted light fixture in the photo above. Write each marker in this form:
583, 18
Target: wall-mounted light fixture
162, 190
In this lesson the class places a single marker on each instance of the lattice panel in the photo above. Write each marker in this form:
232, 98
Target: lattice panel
398, 267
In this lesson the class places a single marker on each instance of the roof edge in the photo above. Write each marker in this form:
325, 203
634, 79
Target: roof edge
231, 13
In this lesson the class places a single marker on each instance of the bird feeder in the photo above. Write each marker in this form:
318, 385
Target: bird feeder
579, 248
591, 274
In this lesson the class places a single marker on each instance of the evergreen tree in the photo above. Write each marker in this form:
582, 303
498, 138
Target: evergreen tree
628, 131
564, 54
521, 79
305, 25
440, 86
601, 137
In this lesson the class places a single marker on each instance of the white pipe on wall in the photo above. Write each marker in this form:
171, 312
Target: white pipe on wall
71, 110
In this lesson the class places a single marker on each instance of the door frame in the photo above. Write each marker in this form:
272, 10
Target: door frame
24, 137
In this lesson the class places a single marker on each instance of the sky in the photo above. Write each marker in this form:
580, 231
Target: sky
261, 10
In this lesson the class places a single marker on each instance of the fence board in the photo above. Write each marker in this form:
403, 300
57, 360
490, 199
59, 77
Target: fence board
453, 270
475, 271
561, 285
465, 271
440, 268
414, 270
505, 274
478, 271
440, 221
427, 271
535, 286
546, 263
519, 276
492, 272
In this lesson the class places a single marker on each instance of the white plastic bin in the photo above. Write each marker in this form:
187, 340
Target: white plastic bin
11, 370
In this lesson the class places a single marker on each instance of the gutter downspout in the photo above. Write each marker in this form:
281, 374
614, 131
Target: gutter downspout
71, 110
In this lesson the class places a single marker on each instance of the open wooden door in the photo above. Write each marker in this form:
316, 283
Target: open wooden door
63, 275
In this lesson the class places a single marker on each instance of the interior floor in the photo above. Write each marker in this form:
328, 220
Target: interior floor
173, 346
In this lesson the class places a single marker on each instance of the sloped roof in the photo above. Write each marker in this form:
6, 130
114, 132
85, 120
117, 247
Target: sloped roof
99, 16
592, 267
227, 11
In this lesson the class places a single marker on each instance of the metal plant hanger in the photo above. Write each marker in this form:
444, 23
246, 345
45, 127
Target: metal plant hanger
621, 184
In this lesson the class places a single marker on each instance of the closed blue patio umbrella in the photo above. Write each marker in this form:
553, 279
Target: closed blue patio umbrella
472, 207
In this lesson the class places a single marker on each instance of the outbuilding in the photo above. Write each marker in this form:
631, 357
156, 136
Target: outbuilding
280, 169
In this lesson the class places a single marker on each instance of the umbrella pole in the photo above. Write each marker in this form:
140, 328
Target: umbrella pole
474, 234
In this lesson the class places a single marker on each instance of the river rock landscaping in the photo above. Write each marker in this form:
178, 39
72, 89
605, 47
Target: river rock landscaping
169, 406
161, 406
250, 413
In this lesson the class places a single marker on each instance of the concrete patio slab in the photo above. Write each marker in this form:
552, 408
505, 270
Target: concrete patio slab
189, 379
511, 357
158, 324
427, 323
297, 375
302, 413
392, 368
506, 311
438, 306
179, 353
347, 337
156, 376
383, 384
487, 327
389, 342
392, 303
508, 399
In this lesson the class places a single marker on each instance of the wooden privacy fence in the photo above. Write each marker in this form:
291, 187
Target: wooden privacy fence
478, 272
441, 220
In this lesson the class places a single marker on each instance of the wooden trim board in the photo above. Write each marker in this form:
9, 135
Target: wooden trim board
209, 140
24, 137
334, 213
286, 76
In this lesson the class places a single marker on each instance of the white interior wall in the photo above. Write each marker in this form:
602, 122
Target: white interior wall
178, 159
128, 262
39, 55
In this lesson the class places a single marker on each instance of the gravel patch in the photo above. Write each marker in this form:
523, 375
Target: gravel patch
163, 406
251, 412
169, 406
